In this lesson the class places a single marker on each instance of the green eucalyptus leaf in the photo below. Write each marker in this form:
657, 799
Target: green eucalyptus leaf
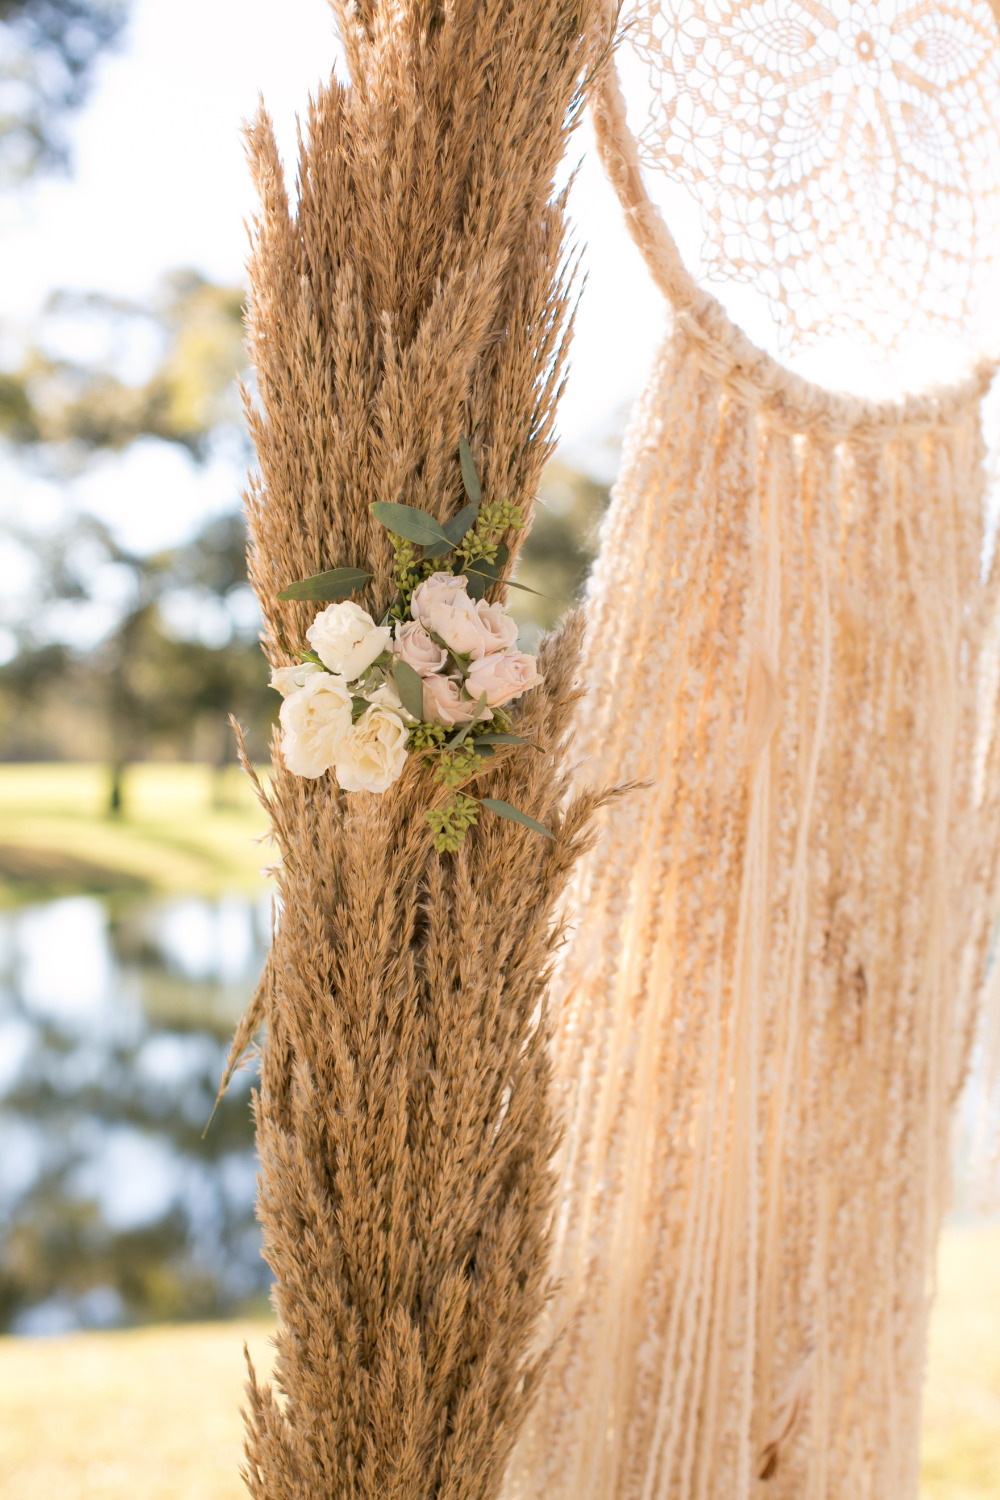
455, 529
411, 688
406, 521
492, 738
491, 570
460, 661
358, 707
469, 476
463, 523
513, 814
338, 583
475, 585
512, 583
457, 739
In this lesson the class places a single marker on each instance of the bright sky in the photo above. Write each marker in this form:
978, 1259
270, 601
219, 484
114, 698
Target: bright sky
160, 181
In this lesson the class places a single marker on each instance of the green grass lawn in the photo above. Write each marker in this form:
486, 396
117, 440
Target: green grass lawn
182, 828
153, 1414
961, 1448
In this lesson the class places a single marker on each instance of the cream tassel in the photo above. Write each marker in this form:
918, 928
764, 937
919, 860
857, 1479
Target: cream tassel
765, 1006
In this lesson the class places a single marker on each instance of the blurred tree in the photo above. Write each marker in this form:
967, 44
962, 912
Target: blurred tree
181, 655
195, 326
47, 53
160, 681
561, 545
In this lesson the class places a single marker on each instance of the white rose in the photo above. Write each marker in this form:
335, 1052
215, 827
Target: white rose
503, 676
288, 679
372, 755
499, 628
415, 647
387, 696
445, 703
315, 719
346, 639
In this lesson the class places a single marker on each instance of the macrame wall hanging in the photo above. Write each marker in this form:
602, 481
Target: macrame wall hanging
766, 1011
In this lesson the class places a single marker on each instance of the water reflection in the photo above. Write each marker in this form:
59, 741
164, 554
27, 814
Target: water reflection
113, 1027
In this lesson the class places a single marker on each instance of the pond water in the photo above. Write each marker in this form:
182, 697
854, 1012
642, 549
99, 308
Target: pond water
114, 1023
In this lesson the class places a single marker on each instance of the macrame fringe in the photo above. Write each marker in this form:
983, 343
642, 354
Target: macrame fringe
766, 1009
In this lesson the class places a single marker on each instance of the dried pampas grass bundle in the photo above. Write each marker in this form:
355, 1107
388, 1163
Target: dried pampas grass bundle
405, 1125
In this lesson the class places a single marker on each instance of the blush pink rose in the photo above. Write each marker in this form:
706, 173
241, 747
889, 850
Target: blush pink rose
460, 627
444, 702
442, 606
500, 630
414, 646
439, 588
502, 676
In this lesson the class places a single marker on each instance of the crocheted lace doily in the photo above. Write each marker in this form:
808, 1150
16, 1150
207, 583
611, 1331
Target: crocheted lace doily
846, 156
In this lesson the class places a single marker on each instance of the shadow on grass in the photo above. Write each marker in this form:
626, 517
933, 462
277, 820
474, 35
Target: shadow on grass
39, 874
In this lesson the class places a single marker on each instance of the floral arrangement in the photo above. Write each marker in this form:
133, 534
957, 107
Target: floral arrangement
431, 678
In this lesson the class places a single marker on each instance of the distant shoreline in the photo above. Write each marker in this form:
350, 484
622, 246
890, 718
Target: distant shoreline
182, 827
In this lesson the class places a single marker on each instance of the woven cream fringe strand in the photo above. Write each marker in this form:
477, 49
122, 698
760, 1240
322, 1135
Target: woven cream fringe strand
765, 1013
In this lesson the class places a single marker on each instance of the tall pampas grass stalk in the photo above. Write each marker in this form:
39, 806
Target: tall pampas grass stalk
417, 292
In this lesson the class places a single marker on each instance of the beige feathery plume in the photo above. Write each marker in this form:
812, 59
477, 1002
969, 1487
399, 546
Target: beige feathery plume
405, 1127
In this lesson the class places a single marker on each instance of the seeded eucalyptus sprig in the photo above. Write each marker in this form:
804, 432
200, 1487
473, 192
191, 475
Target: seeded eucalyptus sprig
419, 540
461, 812
408, 572
452, 822
454, 768
427, 737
